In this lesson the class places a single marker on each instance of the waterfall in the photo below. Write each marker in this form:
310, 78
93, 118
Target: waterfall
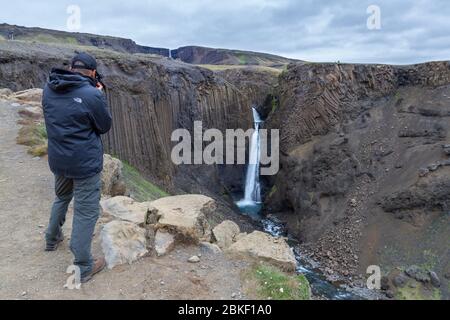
252, 188
252, 192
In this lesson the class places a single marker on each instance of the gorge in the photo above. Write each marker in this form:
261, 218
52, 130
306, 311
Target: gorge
364, 170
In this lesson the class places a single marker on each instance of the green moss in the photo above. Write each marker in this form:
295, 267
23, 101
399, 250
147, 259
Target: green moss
417, 292
273, 190
274, 103
430, 258
140, 188
243, 59
268, 282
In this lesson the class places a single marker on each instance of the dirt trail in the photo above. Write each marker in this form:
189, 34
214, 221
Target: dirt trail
27, 272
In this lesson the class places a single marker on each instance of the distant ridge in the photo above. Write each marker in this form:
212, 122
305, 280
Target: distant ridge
188, 54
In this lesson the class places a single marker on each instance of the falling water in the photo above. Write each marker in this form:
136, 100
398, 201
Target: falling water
251, 203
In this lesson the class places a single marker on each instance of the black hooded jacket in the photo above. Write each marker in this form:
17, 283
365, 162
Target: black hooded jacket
76, 114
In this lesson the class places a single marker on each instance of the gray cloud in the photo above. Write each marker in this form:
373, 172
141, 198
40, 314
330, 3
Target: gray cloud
319, 30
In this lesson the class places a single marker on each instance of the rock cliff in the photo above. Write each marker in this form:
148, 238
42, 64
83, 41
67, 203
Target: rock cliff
149, 98
364, 171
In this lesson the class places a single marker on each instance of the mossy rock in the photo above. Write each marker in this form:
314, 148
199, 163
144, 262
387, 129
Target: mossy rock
141, 189
415, 290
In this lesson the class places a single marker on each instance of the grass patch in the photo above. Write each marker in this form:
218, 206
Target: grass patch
274, 103
33, 135
222, 67
243, 59
38, 151
268, 282
431, 260
140, 188
417, 293
46, 38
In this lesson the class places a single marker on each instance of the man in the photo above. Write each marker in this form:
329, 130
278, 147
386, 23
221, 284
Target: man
76, 114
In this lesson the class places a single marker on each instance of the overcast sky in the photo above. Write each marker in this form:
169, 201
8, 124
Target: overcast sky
315, 30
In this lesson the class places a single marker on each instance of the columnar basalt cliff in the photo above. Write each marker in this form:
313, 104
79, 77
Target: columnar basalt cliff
149, 98
364, 167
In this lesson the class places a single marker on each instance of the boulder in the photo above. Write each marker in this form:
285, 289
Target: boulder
183, 215
434, 279
446, 148
125, 208
261, 246
31, 112
418, 273
210, 248
400, 280
113, 182
225, 233
30, 95
122, 242
5, 92
164, 242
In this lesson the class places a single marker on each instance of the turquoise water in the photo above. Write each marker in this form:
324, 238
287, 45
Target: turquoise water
250, 208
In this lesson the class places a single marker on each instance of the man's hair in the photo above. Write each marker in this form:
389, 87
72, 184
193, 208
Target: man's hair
85, 72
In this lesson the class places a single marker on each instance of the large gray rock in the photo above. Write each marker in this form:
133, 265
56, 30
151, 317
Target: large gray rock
113, 183
5, 93
261, 246
164, 242
35, 113
125, 208
31, 96
418, 273
122, 242
184, 216
225, 233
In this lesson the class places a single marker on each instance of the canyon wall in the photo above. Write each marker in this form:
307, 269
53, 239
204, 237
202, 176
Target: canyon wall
365, 169
149, 98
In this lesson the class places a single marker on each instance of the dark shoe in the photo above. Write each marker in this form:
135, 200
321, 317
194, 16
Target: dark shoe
99, 265
54, 246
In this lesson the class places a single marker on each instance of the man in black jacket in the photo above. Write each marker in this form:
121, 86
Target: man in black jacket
76, 114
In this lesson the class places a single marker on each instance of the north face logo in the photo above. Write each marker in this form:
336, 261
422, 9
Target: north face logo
78, 100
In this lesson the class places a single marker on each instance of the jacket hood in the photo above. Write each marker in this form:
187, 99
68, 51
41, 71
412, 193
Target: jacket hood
63, 80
